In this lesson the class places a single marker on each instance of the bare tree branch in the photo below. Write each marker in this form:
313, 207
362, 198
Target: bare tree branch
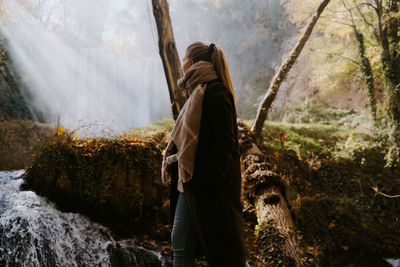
368, 4
377, 191
350, 13
373, 30
283, 71
347, 58
336, 21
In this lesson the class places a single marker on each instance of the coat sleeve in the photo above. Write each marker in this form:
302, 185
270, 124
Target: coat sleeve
221, 110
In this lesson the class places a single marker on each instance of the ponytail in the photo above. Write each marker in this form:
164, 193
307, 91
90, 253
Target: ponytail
221, 67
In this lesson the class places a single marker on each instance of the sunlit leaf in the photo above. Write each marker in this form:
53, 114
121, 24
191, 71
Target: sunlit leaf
282, 138
60, 130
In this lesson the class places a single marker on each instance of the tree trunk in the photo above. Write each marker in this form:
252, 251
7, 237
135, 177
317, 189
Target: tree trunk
283, 71
365, 64
367, 71
265, 190
390, 41
169, 55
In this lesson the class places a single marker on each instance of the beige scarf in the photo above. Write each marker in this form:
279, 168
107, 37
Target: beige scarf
185, 133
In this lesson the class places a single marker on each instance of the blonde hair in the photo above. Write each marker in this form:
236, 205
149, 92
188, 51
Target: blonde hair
200, 51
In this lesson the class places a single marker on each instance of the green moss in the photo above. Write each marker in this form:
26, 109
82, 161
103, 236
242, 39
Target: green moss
331, 195
153, 129
333, 191
271, 243
310, 113
335, 204
303, 138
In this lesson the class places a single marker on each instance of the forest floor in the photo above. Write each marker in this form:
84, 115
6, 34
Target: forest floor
341, 196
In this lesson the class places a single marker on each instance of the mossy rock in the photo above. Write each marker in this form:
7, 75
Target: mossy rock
20, 140
116, 183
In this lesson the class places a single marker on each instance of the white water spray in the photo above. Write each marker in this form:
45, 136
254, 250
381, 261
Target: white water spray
34, 233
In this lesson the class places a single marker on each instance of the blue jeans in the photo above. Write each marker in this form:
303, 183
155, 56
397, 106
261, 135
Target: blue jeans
183, 235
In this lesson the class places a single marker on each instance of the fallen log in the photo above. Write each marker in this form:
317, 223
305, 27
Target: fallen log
265, 191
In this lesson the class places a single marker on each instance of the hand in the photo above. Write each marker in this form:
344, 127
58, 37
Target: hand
165, 173
167, 160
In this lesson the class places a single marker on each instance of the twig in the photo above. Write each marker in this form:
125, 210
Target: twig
335, 21
377, 191
368, 23
343, 57
370, 5
347, 58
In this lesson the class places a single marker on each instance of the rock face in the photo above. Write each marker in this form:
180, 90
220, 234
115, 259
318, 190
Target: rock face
130, 253
12, 103
19, 140
116, 183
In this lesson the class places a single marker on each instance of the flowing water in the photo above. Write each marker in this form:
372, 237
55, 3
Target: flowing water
34, 233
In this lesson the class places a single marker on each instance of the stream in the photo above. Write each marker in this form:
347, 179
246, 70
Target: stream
33, 232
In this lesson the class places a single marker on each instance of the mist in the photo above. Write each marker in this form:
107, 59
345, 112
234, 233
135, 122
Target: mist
91, 64
94, 66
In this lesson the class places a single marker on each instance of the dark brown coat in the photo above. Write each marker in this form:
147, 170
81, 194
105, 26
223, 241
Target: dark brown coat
213, 194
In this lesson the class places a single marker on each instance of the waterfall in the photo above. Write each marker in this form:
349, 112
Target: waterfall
34, 233
93, 65
120, 91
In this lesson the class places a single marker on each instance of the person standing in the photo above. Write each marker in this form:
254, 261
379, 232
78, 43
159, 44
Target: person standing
202, 164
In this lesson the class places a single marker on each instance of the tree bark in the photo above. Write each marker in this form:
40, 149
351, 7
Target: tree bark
367, 71
265, 190
283, 71
389, 25
169, 55
365, 64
